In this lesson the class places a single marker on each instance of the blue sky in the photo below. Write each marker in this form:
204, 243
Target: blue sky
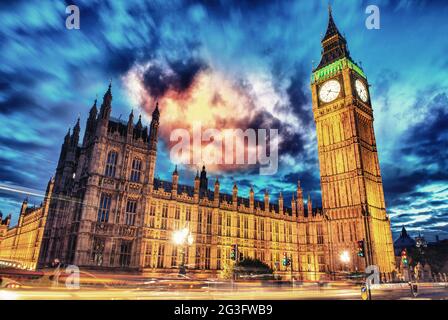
262, 53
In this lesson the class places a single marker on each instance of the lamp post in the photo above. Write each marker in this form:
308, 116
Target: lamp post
182, 238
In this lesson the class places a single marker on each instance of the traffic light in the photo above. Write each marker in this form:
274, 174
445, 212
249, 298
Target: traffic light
361, 252
285, 261
233, 251
404, 257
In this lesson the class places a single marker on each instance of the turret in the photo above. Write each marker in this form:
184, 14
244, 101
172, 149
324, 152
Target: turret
24, 206
300, 204
105, 111
280, 203
138, 130
75, 136
106, 106
251, 197
266, 200
131, 124
196, 183
154, 127
8, 220
91, 123
203, 184
216, 193
235, 196
152, 143
310, 206
64, 147
175, 181
293, 206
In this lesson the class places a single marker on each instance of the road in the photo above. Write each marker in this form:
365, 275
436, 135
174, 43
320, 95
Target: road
426, 292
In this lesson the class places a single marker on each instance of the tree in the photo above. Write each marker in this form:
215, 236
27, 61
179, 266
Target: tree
228, 271
250, 267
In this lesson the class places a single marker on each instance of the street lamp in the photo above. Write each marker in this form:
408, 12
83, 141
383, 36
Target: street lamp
182, 238
345, 258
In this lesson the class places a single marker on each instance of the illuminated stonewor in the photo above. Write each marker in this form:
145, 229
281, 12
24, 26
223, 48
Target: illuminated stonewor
352, 190
20, 245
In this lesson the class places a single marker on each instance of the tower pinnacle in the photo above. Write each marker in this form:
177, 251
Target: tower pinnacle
333, 43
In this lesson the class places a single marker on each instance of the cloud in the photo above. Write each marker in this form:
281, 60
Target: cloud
239, 64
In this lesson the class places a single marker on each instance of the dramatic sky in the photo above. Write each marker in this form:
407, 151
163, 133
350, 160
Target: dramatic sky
229, 64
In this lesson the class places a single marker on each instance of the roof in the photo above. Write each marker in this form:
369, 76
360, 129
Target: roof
333, 43
403, 241
121, 126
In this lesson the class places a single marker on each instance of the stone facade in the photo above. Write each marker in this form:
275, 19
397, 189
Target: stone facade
22, 243
109, 213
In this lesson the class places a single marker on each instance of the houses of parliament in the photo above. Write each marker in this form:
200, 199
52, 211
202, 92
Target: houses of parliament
105, 210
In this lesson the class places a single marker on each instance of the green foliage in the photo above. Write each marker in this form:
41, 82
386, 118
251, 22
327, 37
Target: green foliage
228, 271
435, 255
253, 266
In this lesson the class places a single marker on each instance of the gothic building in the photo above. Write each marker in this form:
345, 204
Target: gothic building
107, 211
352, 189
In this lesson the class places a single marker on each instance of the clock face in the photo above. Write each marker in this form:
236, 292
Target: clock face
361, 90
329, 91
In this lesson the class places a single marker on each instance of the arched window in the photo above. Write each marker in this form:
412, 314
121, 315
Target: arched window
111, 164
136, 170
131, 211
104, 208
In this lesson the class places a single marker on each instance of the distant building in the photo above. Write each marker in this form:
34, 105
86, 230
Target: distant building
404, 241
22, 243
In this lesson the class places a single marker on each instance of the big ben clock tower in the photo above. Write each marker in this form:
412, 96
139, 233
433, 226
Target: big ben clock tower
352, 189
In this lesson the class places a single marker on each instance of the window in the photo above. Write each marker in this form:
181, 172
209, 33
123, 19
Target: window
111, 164
98, 250
229, 225
218, 259
131, 212
199, 222
262, 229
246, 227
320, 235
160, 255
177, 218
112, 253
136, 170
71, 248
207, 258
152, 214
188, 214
255, 229
164, 216
148, 254
197, 259
308, 234
174, 256
104, 208
238, 226
219, 223
209, 222
125, 253
276, 231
